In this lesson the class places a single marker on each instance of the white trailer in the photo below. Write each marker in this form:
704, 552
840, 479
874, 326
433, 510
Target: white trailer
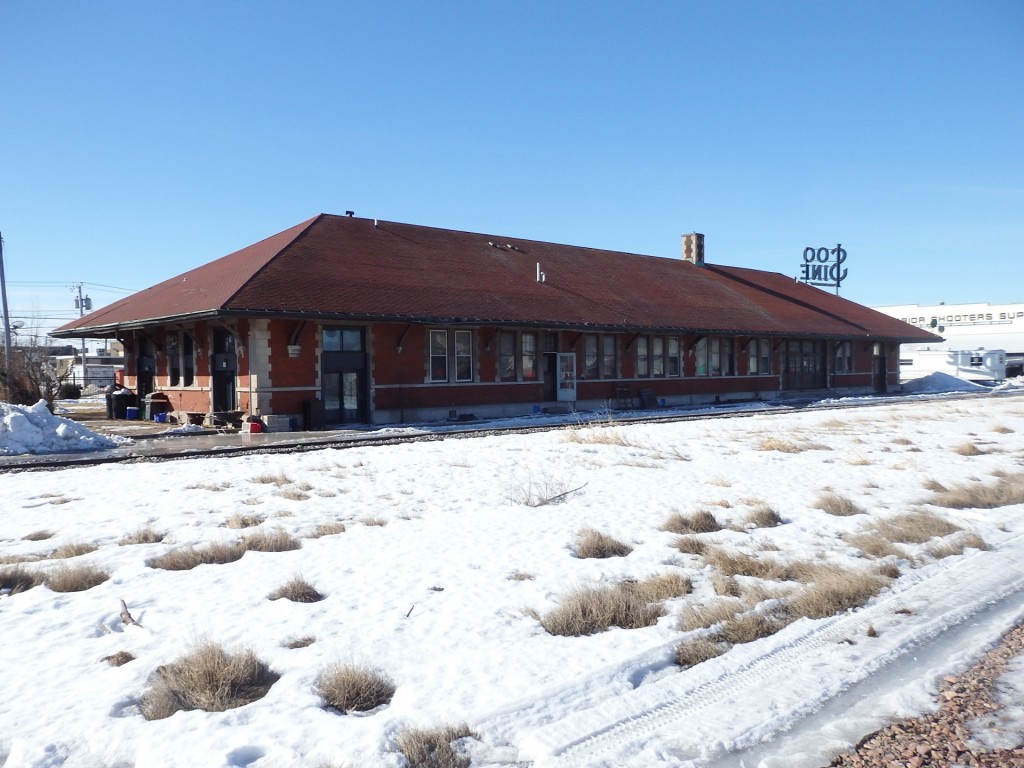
983, 366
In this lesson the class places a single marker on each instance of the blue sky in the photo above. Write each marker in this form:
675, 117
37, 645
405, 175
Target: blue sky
138, 140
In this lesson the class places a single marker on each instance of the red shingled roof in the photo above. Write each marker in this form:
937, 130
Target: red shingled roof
339, 267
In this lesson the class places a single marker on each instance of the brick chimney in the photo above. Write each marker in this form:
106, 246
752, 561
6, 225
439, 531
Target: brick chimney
693, 248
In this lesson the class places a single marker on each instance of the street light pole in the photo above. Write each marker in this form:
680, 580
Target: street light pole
82, 305
7, 323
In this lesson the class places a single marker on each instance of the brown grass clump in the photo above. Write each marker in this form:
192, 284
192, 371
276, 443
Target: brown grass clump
207, 678
916, 527
38, 535
271, 541
328, 529
348, 688
968, 449
705, 615
778, 444
299, 642
238, 521
142, 536
956, 546
17, 579
294, 494
186, 558
373, 521
1005, 491
690, 653
74, 549
690, 545
729, 563
590, 610
520, 576
279, 479
1002, 429
432, 748
874, 544
662, 587
298, 590
119, 659
764, 516
701, 521
836, 504
75, 578
748, 627
833, 591
594, 544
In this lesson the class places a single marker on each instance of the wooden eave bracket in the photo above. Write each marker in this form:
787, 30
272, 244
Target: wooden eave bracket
293, 340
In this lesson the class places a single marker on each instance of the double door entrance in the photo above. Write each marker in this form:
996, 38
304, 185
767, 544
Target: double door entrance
343, 383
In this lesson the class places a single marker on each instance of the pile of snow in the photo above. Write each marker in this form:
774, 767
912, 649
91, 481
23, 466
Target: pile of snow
1010, 385
33, 429
939, 382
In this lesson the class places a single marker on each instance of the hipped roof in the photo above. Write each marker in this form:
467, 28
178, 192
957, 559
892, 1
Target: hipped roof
339, 268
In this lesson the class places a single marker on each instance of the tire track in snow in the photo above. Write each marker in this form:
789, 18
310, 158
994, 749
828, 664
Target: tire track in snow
951, 595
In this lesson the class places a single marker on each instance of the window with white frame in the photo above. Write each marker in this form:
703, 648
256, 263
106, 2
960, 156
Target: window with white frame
675, 367
507, 356
439, 355
643, 368
715, 356
528, 343
759, 361
599, 356
181, 366
451, 351
844, 357
658, 356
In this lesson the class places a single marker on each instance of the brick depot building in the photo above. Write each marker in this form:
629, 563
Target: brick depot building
351, 320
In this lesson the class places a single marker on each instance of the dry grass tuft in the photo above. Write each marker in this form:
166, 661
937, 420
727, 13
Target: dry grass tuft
300, 642
328, 529
968, 449
594, 544
432, 748
701, 521
238, 521
834, 590
348, 688
690, 545
378, 522
142, 536
662, 587
1005, 491
38, 535
207, 678
187, 558
690, 653
956, 545
1002, 429
874, 544
786, 446
17, 579
705, 615
298, 590
271, 541
75, 578
838, 505
294, 494
74, 549
589, 610
520, 576
119, 659
763, 516
934, 485
597, 435
729, 563
748, 627
916, 527
279, 479
901, 441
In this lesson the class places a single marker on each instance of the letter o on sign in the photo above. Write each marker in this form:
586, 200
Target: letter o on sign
822, 255
808, 255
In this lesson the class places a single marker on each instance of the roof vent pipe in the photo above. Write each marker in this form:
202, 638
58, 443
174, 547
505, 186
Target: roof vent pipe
541, 277
693, 248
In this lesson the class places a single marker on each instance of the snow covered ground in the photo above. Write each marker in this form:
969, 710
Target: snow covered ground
444, 571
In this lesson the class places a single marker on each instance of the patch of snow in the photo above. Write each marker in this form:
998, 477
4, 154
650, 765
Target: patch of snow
33, 429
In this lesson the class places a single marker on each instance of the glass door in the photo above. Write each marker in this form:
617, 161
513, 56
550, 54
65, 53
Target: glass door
567, 376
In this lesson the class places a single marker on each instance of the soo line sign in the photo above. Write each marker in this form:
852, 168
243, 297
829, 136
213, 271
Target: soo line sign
824, 266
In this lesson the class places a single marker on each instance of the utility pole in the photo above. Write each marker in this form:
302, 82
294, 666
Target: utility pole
7, 323
82, 305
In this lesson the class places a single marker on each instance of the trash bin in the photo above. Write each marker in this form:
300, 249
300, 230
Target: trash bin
313, 417
121, 402
155, 404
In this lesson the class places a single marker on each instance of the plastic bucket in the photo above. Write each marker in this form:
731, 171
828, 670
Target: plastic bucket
131, 412
160, 418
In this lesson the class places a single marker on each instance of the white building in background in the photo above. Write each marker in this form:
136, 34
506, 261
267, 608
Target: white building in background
967, 327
